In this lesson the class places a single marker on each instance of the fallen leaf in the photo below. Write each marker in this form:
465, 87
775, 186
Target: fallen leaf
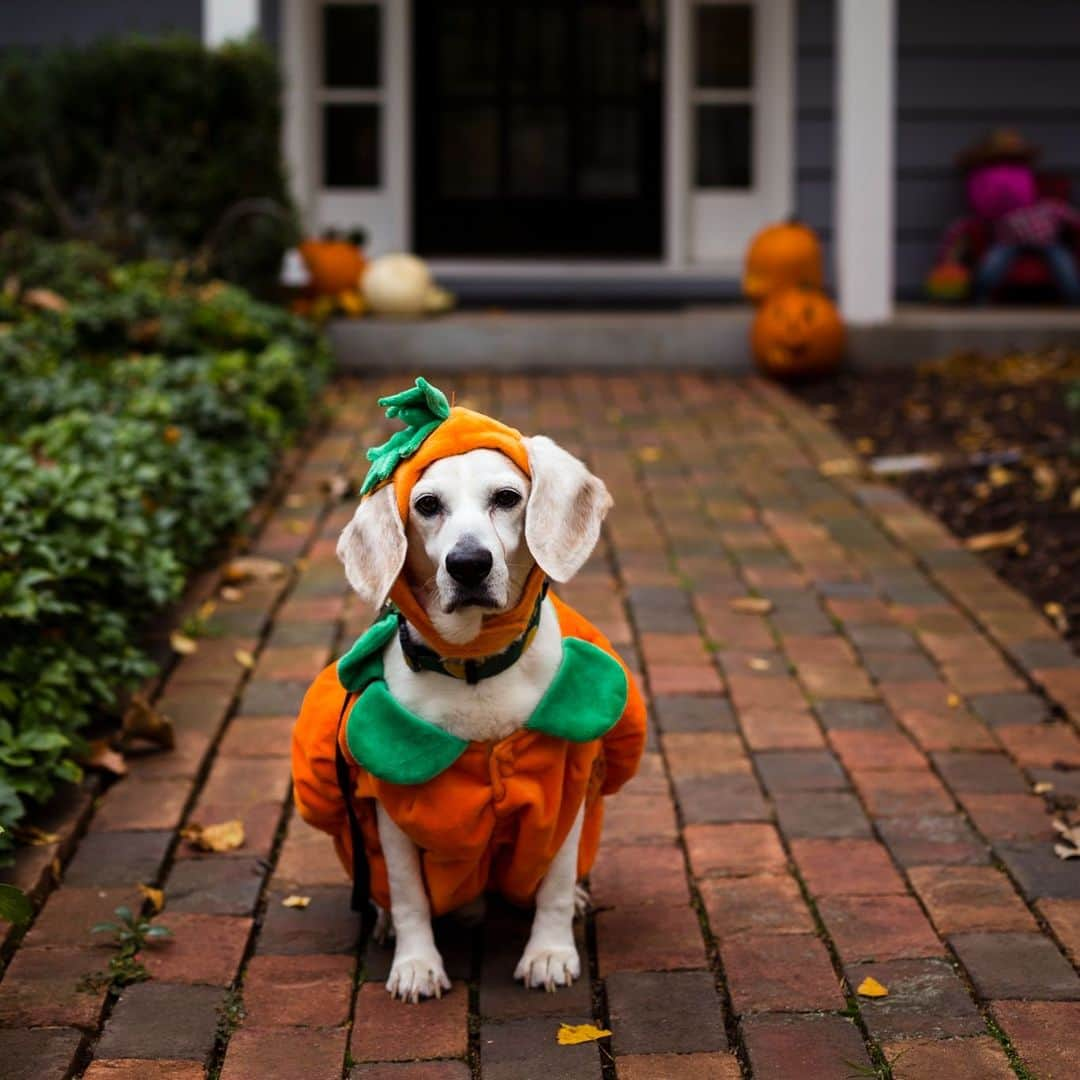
102, 756
35, 837
231, 593
953, 701
751, 605
44, 299
143, 721
991, 541
871, 988
253, 568
865, 445
1070, 832
244, 658
839, 467
573, 1034
294, 500
155, 896
182, 644
759, 663
1043, 787
649, 453
1063, 851
296, 901
1056, 614
999, 476
224, 836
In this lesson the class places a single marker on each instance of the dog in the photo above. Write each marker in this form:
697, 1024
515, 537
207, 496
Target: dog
477, 532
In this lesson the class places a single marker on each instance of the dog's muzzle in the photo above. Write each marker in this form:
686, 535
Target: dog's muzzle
469, 564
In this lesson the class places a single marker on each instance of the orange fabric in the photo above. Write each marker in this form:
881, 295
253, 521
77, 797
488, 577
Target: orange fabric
462, 431
496, 818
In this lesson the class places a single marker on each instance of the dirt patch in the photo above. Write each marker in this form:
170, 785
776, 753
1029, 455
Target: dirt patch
1006, 436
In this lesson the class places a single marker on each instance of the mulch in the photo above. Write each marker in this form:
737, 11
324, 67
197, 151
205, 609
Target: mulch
1022, 412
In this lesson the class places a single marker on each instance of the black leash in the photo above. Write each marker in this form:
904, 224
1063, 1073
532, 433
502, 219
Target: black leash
361, 871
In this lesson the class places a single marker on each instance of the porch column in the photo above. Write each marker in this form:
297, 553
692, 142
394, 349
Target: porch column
863, 212
227, 20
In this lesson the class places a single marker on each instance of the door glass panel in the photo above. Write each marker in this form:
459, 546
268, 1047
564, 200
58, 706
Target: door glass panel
608, 155
469, 153
724, 141
723, 46
609, 46
350, 146
539, 49
539, 159
468, 45
351, 45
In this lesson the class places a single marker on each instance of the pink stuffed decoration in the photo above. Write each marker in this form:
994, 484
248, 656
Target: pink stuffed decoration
998, 188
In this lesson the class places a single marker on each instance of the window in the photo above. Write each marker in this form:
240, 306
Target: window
351, 94
722, 94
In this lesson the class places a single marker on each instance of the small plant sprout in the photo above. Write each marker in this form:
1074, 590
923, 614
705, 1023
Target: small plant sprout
131, 933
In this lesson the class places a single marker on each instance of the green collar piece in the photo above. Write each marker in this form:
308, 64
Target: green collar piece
421, 409
584, 701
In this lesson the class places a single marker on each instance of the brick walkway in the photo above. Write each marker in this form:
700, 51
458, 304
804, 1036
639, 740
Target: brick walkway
841, 787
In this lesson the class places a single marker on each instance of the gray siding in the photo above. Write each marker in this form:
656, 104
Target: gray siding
814, 120
964, 67
32, 25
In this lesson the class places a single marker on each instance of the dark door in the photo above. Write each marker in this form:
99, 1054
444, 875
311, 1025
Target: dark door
537, 127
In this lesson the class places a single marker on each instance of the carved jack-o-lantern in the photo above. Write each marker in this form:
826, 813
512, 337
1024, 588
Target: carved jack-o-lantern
796, 333
781, 255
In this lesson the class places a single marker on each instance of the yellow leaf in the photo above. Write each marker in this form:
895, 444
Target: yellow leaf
999, 476
143, 721
1043, 787
244, 658
649, 454
155, 896
751, 605
182, 644
871, 988
573, 1034
102, 756
296, 901
991, 541
253, 567
231, 593
759, 663
224, 836
953, 701
839, 467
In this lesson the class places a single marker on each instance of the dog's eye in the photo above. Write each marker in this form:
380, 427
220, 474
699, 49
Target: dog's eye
506, 499
427, 505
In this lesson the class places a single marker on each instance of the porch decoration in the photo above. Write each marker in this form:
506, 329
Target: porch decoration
402, 284
797, 333
780, 255
335, 264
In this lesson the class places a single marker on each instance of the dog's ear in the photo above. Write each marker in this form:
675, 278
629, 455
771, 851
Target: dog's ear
372, 547
566, 508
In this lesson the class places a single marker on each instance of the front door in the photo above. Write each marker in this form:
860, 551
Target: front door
537, 128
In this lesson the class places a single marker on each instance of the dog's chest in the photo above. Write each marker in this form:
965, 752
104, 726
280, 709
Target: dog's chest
492, 709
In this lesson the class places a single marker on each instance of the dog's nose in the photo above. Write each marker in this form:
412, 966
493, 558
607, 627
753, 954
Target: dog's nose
469, 564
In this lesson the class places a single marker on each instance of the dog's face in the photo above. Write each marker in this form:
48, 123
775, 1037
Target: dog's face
476, 526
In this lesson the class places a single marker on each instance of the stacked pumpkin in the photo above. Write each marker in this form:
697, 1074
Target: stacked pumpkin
335, 264
797, 331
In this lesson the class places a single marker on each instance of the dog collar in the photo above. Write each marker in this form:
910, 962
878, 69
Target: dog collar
420, 658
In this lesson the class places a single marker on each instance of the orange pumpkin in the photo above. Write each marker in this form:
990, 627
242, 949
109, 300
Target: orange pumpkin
335, 265
797, 333
780, 255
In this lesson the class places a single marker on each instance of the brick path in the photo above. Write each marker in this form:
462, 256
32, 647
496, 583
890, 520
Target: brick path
841, 787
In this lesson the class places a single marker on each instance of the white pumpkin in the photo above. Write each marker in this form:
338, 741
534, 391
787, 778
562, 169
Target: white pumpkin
397, 285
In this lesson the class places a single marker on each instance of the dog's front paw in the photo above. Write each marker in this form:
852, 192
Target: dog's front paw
548, 966
421, 975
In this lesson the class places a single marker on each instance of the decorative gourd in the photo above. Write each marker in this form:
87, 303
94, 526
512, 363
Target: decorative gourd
797, 333
335, 265
784, 254
951, 281
402, 285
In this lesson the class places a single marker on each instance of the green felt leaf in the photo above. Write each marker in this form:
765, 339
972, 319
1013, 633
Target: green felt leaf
421, 409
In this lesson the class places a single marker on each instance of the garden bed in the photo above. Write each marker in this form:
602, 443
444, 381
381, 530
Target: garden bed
1002, 443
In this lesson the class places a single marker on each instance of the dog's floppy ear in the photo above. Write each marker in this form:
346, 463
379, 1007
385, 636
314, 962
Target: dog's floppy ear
566, 508
372, 547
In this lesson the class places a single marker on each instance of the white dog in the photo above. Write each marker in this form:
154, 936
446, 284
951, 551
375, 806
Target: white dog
476, 527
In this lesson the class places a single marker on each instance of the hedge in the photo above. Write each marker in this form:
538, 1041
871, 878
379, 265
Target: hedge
139, 417
145, 146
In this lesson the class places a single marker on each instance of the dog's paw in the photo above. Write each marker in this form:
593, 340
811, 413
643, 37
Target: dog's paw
418, 976
548, 966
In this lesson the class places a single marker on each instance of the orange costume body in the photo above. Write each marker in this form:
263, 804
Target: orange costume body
498, 814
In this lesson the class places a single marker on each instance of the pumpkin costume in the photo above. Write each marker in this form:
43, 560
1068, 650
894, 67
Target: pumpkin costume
485, 815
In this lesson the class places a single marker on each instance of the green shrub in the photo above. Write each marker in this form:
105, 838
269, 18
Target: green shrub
136, 426
143, 146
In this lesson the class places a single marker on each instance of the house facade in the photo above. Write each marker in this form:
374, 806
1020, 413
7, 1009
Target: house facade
637, 145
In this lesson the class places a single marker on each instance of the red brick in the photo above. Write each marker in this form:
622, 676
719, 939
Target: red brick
285, 1054
203, 949
1009, 817
735, 850
142, 804
41, 989
751, 691
70, 912
1025, 966
765, 903
41, 1053
840, 682
411, 1070
980, 1058
630, 818
308, 857
140, 1069
1044, 1034
163, 1021
846, 867
389, 1030
783, 1047
780, 729
292, 662
649, 938
1064, 919
876, 750
627, 874
878, 928
1034, 745
673, 648
258, 736
780, 973
655, 1012
888, 792
821, 814
685, 679
950, 730
716, 1066
961, 898
704, 753
298, 991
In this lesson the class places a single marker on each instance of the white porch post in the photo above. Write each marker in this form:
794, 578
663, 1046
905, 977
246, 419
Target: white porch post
298, 114
863, 211
226, 20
